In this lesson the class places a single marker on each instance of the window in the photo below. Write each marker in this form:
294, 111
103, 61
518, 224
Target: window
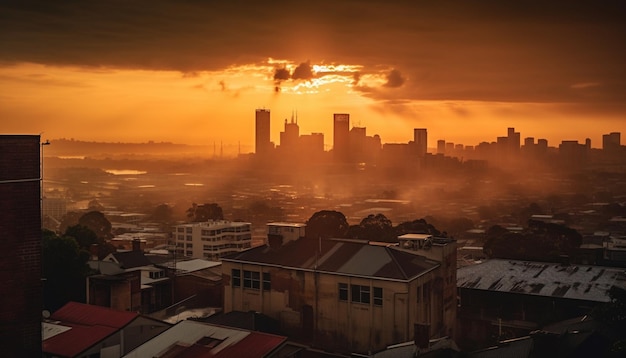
236, 274
251, 279
378, 296
360, 294
266, 281
343, 292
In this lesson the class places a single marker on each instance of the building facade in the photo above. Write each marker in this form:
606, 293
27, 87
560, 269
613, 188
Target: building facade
345, 296
341, 137
20, 258
212, 239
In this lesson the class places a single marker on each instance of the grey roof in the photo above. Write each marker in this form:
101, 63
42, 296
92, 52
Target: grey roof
590, 283
340, 257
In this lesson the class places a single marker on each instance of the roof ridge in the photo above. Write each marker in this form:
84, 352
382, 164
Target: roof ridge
393, 258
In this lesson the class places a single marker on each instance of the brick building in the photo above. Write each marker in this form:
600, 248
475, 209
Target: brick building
20, 257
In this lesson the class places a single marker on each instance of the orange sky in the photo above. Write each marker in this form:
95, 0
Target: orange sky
194, 72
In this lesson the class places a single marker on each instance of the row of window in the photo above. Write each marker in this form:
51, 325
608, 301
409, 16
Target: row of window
251, 279
227, 238
189, 230
361, 294
226, 246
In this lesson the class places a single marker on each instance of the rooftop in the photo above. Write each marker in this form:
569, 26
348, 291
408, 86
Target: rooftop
590, 283
340, 257
76, 327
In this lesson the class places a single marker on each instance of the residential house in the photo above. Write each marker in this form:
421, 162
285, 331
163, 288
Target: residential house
82, 330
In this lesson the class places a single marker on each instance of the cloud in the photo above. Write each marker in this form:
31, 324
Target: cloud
394, 79
281, 74
303, 71
223, 86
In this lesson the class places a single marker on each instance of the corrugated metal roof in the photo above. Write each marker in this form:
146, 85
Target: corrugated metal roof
590, 283
188, 339
88, 325
342, 257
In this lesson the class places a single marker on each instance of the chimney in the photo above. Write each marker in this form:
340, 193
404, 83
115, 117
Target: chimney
93, 251
421, 335
136, 245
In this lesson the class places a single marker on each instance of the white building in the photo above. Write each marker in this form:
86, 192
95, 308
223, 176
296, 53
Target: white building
212, 239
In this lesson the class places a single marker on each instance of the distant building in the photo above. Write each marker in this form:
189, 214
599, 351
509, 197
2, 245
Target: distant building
420, 138
20, 257
346, 295
212, 239
341, 137
262, 135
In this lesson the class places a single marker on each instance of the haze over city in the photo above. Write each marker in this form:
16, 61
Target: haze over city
193, 72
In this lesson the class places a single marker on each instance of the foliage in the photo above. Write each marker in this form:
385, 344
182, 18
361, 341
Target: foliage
64, 270
84, 236
540, 242
373, 228
327, 224
205, 212
98, 223
163, 213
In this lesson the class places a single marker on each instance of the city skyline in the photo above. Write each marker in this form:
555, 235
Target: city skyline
192, 72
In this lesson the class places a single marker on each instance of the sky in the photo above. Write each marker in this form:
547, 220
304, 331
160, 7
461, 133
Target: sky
194, 72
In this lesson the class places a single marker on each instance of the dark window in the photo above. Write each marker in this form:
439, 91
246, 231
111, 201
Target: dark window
266, 281
343, 291
236, 278
251, 279
378, 296
360, 294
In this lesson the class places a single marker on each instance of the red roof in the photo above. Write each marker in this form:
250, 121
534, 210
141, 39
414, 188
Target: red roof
89, 325
256, 344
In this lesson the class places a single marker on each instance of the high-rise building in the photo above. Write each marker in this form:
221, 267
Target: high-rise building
290, 137
341, 137
441, 146
20, 257
262, 135
420, 137
611, 141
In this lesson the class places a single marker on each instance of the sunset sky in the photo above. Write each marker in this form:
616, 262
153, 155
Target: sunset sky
195, 71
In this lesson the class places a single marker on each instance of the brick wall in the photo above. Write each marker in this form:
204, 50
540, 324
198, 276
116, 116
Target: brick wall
20, 253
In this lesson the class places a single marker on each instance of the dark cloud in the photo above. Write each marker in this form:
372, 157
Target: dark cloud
281, 74
356, 77
303, 71
223, 85
394, 79
489, 50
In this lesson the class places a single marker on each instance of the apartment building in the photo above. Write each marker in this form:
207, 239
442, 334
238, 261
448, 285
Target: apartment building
212, 239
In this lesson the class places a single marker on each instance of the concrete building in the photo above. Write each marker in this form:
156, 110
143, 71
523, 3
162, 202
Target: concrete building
212, 239
347, 295
20, 257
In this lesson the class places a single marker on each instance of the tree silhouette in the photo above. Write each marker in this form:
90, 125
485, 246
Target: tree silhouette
327, 224
84, 236
205, 212
374, 228
64, 270
98, 223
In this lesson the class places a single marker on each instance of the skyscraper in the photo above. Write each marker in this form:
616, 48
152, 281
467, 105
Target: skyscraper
262, 135
20, 257
420, 137
341, 137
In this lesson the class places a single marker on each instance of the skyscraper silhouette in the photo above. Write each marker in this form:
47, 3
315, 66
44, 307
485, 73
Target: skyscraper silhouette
341, 137
262, 135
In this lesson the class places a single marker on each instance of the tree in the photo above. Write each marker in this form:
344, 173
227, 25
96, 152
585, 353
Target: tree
419, 226
327, 224
376, 228
64, 270
84, 236
205, 212
98, 223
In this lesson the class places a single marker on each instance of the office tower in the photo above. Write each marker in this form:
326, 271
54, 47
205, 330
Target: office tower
20, 257
290, 137
262, 134
420, 137
441, 146
341, 137
611, 141
513, 140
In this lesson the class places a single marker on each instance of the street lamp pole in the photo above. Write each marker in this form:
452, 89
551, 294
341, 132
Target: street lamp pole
41, 191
